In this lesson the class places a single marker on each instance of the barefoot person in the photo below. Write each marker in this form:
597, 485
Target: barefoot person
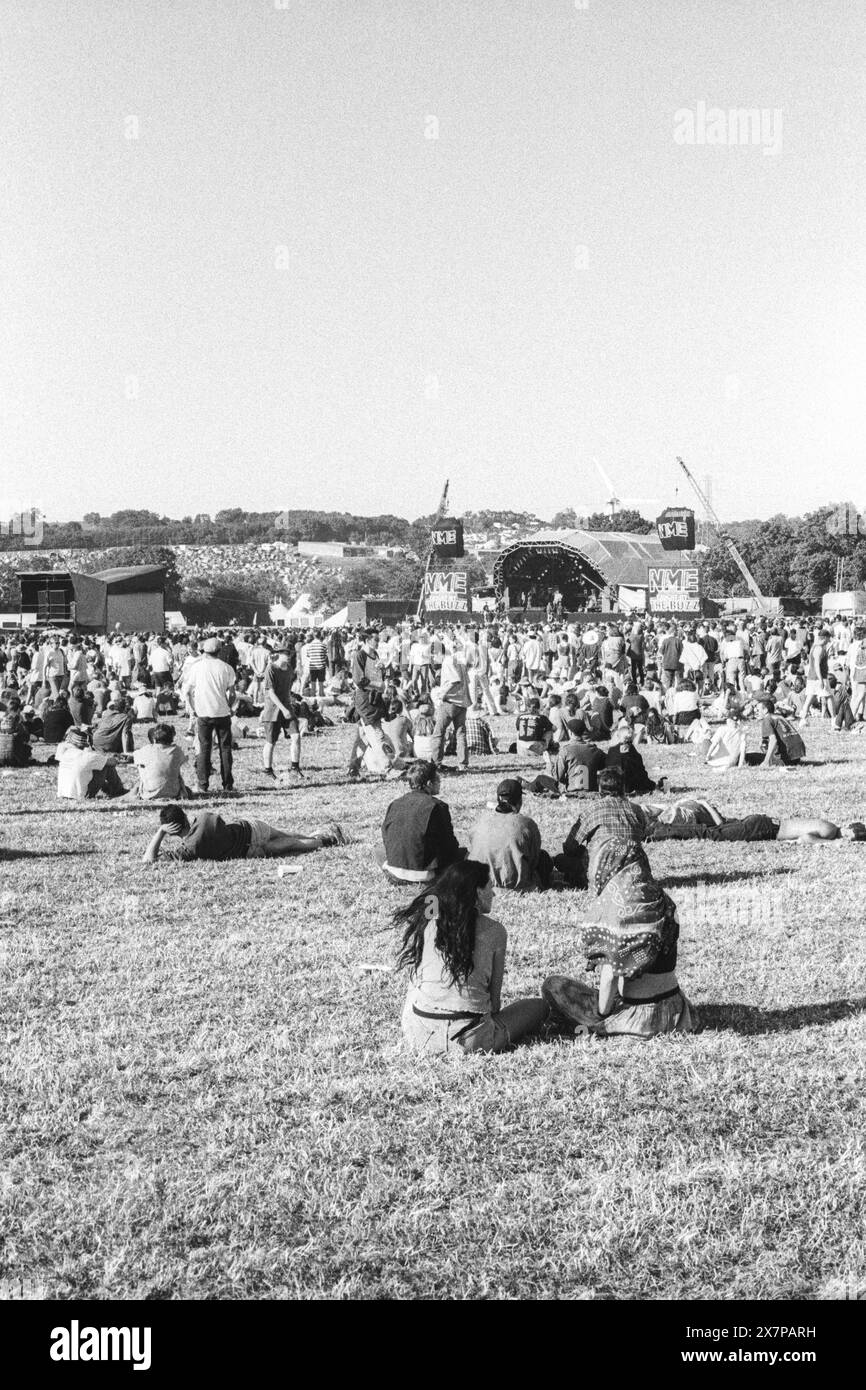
455, 952
208, 836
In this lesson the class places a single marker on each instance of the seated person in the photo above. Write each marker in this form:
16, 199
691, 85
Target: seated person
83, 772
418, 838
510, 843
635, 707
686, 704
208, 836
609, 817
397, 728
159, 764
600, 719
144, 706
167, 702
479, 735
14, 741
577, 763
623, 755
243, 705
56, 719
455, 953
113, 733
98, 692
424, 732
839, 705
534, 731
81, 705
559, 715
780, 743
728, 745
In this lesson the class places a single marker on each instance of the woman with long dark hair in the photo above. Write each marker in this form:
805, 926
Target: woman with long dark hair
455, 952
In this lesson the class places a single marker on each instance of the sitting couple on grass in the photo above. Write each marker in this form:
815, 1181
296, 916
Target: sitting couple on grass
455, 953
781, 744
418, 839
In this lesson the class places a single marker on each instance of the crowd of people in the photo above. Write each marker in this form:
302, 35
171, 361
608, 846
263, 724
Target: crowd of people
584, 698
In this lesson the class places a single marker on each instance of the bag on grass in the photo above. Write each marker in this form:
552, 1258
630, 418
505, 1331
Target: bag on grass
790, 741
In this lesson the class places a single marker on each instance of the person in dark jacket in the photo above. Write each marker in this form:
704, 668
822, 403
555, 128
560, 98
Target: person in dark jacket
113, 733
418, 839
622, 754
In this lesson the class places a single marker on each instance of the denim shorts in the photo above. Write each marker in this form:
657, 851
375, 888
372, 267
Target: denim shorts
432, 1035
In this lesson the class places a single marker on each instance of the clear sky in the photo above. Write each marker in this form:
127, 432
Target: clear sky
238, 271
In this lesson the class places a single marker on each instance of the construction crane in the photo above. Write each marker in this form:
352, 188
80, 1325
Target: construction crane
763, 605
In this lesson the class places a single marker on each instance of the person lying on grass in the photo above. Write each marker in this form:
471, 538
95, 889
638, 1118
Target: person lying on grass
455, 952
701, 821
632, 933
208, 836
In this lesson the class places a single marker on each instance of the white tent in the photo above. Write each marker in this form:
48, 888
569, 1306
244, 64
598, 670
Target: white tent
337, 619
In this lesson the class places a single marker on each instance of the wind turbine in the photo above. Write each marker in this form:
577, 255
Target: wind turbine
615, 502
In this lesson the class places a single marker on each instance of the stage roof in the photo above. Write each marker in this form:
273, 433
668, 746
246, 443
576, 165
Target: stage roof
619, 557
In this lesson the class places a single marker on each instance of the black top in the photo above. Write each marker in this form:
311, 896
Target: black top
417, 833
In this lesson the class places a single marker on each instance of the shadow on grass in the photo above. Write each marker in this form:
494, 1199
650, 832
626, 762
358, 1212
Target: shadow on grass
735, 876
745, 1018
44, 853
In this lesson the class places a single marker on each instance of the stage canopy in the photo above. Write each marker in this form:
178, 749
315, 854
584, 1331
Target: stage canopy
577, 564
130, 597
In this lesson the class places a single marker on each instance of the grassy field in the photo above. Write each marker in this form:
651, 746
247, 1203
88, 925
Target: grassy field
204, 1093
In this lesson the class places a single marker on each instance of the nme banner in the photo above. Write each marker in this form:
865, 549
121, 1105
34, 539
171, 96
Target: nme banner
446, 593
676, 528
674, 589
446, 538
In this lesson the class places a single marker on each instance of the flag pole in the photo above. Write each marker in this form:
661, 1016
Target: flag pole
440, 512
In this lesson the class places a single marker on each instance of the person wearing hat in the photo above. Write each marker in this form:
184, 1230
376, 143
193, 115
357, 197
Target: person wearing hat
208, 687
83, 772
510, 843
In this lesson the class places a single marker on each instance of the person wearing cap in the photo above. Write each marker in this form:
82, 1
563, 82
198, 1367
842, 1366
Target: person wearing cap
83, 772
510, 843
208, 687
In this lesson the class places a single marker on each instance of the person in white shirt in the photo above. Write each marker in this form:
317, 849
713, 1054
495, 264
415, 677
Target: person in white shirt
728, 746
419, 662
160, 662
454, 705
82, 773
144, 706
207, 689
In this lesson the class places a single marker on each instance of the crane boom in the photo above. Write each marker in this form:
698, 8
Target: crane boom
763, 606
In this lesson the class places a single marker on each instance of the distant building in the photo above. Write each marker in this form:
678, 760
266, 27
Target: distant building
334, 550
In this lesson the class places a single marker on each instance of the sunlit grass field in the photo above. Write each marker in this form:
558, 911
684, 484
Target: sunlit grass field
204, 1092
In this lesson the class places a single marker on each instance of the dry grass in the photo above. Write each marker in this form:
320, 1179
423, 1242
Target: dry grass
205, 1095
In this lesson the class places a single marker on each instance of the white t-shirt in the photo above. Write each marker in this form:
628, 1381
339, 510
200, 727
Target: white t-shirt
75, 767
160, 660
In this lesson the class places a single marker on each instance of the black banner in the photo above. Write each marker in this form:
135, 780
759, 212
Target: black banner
446, 538
676, 528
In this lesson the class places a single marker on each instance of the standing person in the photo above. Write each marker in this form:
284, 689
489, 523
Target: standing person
816, 674
479, 673
369, 703
161, 662
455, 704
280, 713
669, 652
314, 660
856, 667
55, 671
260, 656
208, 689
455, 953
419, 662
637, 651
734, 656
